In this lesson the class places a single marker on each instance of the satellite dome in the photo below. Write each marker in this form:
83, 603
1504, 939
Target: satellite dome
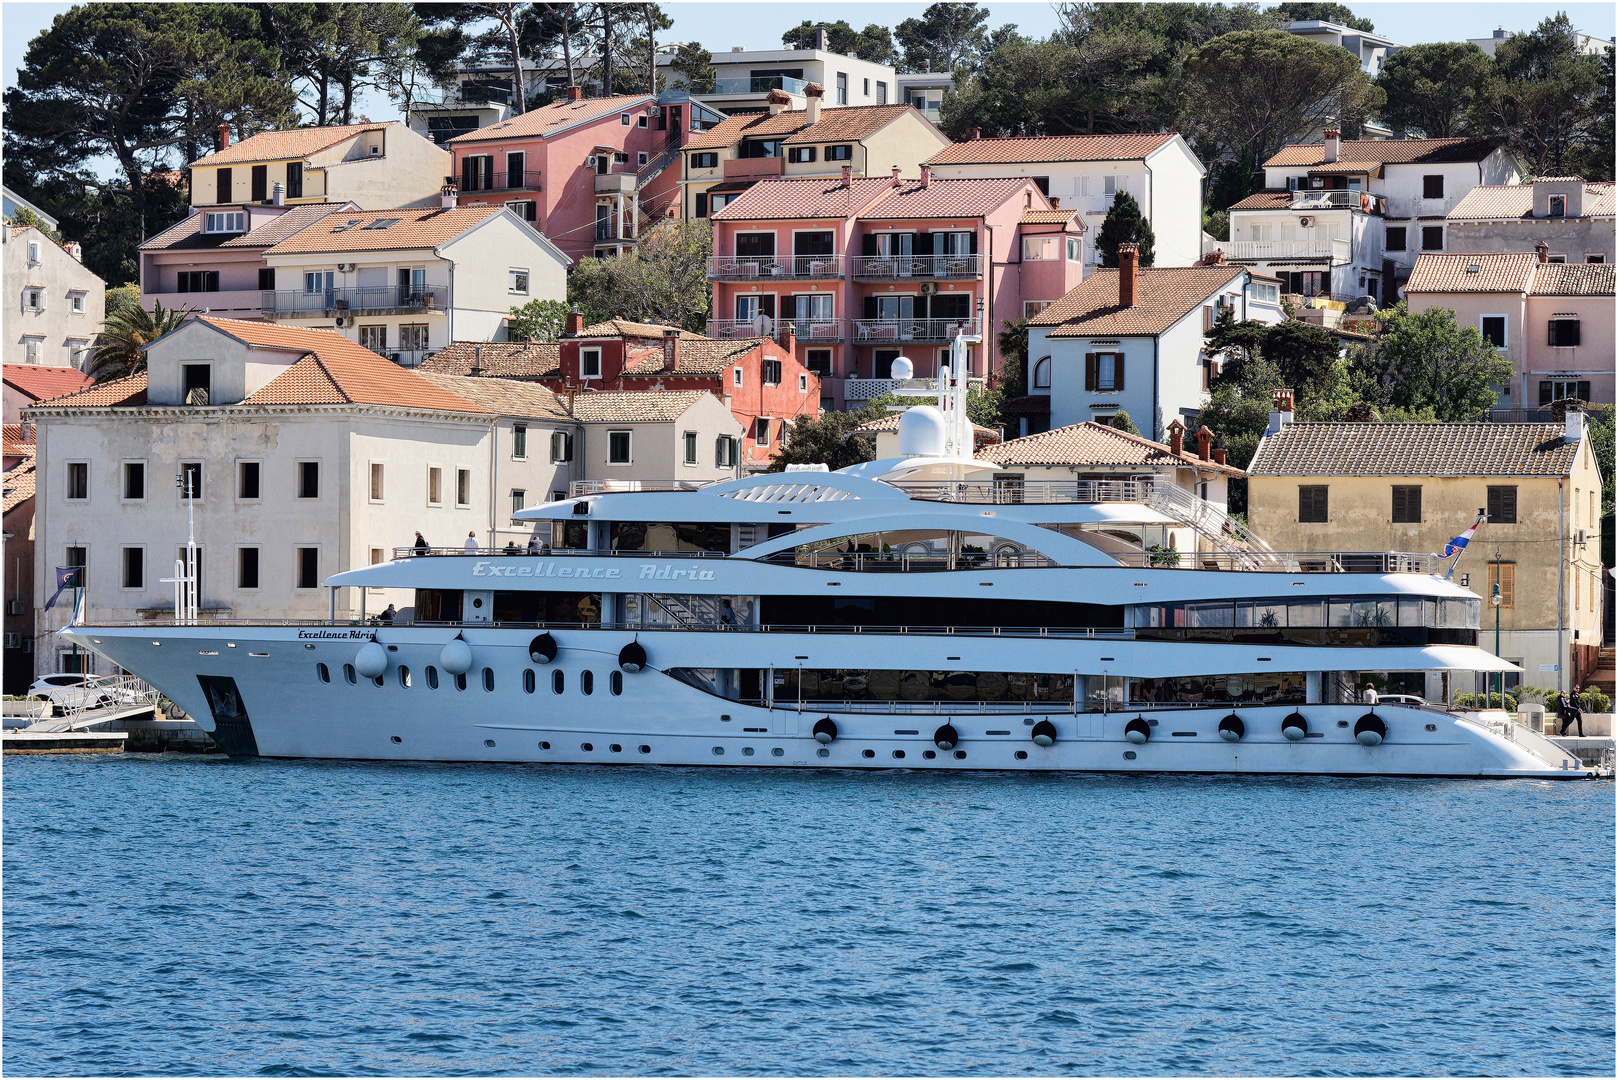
902, 369
921, 432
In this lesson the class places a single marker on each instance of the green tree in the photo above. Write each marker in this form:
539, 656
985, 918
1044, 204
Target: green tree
1308, 358
120, 298
664, 280
1432, 88
946, 36
1250, 92
1216, 223
1125, 224
829, 439
1551, 103
874, 43
592, 289
1600, 420
1311, 12
120, 351
1425, 363
1012, 343
25, 218
694, 69
1121, 422
537, 320
1238, 412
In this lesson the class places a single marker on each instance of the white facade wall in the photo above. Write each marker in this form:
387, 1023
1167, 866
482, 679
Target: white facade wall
71, 303
656, 449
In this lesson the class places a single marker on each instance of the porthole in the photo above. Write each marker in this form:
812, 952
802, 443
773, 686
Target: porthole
489, 743
1432, 727
432, 677
1342, 723
477, 601
528, 681
544, 746
823, 752
1022, 755
616, 682
397, 739
488, 679
776, 751
379, 681
586, 747
747, 751
929, 754
587, 683
899, 754
719, 751
324, 672
616, 748
645, 749
558, 683
1129, 755
460, 682
868, 753
404, 676
348, 673
960, 755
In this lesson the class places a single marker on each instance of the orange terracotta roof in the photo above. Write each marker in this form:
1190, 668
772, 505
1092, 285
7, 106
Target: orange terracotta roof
1573, 279
18, 484
13, 441
115, 393
849, 123
1453, 272
1031, 149
1508, 202
1048, 217
1098, 445
497, 359
41, 383
1163, 296
507, 397
554, 118
412, 228
791, 200
627, 328
292, 144
1386, 151
1268, 199
700, 356
1480, 449
188, 234
631, 406
968, 197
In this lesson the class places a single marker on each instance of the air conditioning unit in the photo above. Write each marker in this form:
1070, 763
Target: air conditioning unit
13, 641
14, 607
345, 268
342, 322
1305, 222
1581, 537
928, 288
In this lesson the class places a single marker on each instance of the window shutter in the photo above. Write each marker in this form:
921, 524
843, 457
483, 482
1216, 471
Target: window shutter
972, 242
1550, 332
789, 307
1089, 371
1544, 393
766, 304
1584, 391
702, 204
468, 174
868, 244
870, 309
1117, 371
1207, 320
1570, 332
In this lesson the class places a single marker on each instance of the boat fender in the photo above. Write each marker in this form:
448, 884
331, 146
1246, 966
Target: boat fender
1138, 730
371, 660
825, 730
1295, 727
456, 657
1369, 730
946, 737
1044, 733
632, 657
1231, 728
542, 650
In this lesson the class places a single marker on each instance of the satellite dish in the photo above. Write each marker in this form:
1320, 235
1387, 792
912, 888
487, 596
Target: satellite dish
763, 325
902, 369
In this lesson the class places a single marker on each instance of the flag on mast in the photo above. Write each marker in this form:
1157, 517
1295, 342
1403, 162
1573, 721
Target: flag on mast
1458, 545
67, 577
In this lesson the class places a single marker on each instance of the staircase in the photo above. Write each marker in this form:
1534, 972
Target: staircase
1604, 676
1225, 533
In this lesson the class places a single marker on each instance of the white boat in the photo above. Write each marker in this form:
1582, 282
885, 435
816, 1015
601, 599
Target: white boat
912, 612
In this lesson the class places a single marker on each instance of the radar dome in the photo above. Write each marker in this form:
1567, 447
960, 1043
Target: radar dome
902, 369
921, 432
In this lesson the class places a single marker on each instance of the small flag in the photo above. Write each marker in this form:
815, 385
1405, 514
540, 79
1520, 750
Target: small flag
1458, 545
67, 577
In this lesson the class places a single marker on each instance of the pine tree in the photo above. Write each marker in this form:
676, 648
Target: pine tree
1125, 224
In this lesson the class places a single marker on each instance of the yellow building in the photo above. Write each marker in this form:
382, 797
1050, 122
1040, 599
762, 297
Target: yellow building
374, 165
1413, 487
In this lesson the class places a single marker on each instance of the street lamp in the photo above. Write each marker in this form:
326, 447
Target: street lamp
1494, 601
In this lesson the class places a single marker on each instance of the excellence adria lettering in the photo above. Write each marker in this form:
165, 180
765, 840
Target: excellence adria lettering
549, 569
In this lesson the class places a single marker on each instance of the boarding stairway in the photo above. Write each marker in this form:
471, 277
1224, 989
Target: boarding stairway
1227, 535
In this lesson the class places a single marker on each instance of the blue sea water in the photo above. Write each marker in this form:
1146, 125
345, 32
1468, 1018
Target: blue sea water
169, 914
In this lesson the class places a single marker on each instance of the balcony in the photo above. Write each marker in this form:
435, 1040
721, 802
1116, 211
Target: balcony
615, 183
1339, 199
759, 84
910, 267
753, 168
1336, 251
796, 267
607, 230
807, 331
515, 180
331, 303
890, 331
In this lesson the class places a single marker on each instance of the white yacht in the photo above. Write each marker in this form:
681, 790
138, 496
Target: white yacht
913, 612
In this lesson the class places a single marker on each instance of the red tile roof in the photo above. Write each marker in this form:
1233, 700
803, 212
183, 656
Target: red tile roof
188, 234
1507, 202
627, 328
412, 228
630, 406
1268, 199
1460, 273
793, 200
1480, 449
292, 144
19, 483
1031, 149
554, 118
973, 197
115, 393
702, 356
42, 383
1386, 151
848, 123
497, 359
14, 443
507, 397
1163, 296
1098, 445
1573, 279
1048, 217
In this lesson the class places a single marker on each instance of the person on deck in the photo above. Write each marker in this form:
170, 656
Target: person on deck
1369, 697
422, 547
472, 543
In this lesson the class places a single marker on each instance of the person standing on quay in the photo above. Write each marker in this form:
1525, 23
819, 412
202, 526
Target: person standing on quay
1567, 705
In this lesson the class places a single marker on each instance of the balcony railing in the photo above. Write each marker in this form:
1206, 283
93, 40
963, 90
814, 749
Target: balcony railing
882, 331
1335, 250
805, 330
390, 298
1339, 199
607, 230
752, 267
619, 183
758, 84
515, 180
932, 267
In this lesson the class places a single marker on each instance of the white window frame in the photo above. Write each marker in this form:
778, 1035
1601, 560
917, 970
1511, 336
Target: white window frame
67, 485
75, 302
688, 449
515, 428
1505, 328
590, 363
803, 383
736, 377
1030, 308
224, 221
761, 426
640, 157
1042, 374
623, 119
629, 447
517, 281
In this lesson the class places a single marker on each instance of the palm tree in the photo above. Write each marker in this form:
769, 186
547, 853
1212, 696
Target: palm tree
124, 337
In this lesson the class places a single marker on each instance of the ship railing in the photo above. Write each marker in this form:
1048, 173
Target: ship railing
1112, 633
969, 707
1290, 562
899, 562
578, 488
1003, 492
512, 551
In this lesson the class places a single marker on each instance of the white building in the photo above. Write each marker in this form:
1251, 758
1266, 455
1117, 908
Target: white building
54, 305
1371, 49
372, 164
1584, 43
404, 283
11, 202
925, 90
1086, 172
1132, 340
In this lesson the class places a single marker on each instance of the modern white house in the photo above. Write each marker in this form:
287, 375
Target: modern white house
1372, 49
1133, 340
406, 282
1087, 172
54, 305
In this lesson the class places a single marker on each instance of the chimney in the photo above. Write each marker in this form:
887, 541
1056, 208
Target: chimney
1219, 455
574, 93
973, 134
1500, 34
573, 326
778, 99
1333, 141
1056, 204
1128, 273
1281, 414
1176, 438
1204, 443
848, 175
1575, 425
789, 337
896, 176
812, 95
449, 197
75, 249
224, 136
477, 361
278, 194
820, 39
1543, 250
1216, 257
926, 175
671, 348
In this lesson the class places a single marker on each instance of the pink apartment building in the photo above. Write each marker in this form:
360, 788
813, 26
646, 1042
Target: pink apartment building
587, 171
865, 269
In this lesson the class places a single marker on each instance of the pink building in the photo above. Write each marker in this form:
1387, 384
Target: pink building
865, 269
587, 171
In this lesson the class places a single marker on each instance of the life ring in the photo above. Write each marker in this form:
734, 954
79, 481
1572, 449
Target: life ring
1370, 730
632, 657
1044, 733
1295, 727
825, 730
1231, 728
1138, 730
542, 650
946, 737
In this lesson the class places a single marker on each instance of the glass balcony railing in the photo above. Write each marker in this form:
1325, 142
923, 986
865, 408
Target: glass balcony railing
758, 84
1339, 199
806, 330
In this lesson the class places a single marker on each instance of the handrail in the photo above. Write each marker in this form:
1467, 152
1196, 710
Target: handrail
939, 267
751, 267
125, 692
423, 297
893, 330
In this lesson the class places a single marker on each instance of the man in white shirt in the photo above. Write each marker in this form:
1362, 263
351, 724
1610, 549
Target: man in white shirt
472, 543
1369, 697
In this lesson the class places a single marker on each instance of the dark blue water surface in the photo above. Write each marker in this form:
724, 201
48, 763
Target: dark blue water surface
177, 914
